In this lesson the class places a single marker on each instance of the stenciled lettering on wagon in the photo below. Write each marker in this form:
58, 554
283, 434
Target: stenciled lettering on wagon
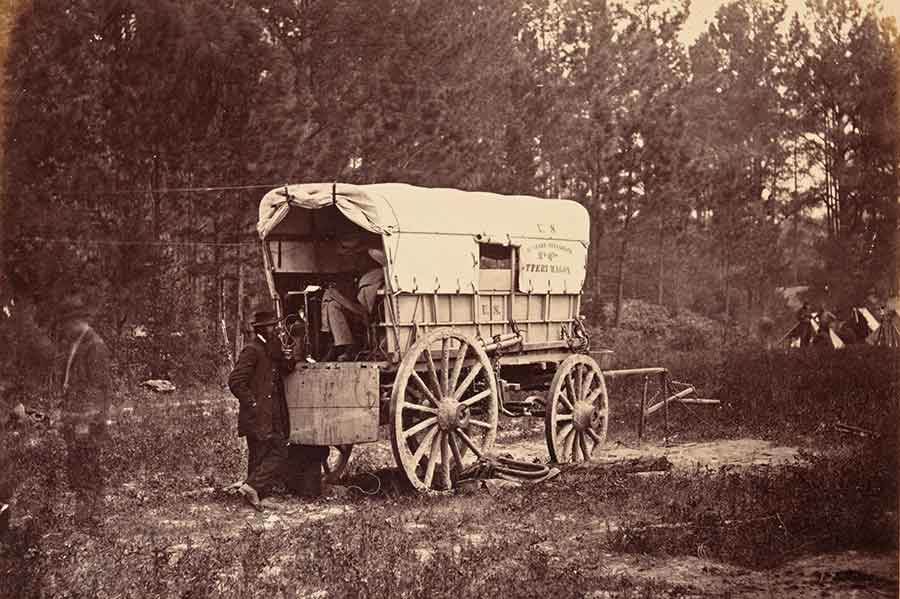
541, 258
494, 312
546, 228
556, 269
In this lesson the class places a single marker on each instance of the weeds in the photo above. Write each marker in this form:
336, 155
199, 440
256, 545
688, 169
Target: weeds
543, 540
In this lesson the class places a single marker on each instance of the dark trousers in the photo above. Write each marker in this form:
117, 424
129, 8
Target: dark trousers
303, 470
265, 462
805, 333
84, 471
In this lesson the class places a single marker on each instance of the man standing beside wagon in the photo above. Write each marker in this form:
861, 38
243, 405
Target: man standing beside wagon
257, 383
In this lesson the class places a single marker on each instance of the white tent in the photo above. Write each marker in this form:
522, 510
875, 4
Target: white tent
888, 334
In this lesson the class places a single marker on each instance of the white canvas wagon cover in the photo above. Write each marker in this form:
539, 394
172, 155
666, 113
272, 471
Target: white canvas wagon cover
432, 234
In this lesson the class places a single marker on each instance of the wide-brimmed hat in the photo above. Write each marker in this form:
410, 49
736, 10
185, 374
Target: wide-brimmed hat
263, 318
378, 256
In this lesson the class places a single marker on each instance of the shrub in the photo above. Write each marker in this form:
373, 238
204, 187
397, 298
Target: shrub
761, 517
807, 388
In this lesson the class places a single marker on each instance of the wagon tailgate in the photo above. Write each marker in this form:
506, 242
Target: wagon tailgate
333, 403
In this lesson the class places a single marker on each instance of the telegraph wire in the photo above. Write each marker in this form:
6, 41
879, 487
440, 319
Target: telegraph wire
161, 190
122, 242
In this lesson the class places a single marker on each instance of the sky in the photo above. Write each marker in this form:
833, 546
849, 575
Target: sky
702, 11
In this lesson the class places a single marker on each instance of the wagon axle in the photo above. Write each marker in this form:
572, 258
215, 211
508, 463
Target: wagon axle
452, 415
585, 416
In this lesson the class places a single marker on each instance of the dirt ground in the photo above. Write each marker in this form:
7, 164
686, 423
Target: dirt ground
849, 574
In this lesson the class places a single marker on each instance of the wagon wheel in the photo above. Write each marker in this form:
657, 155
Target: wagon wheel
446, 407
577, 410
336, 463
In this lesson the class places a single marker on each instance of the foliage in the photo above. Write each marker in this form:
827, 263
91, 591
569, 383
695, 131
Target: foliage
683, 156
845, 69
175, 535
755, 517
646, 323
812, 389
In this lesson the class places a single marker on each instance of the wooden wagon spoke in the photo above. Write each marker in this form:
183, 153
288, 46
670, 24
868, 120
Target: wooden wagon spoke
570, 387
458, 364
588, 381
583, 444
432, 421
423, 447
594, 395
468, 441
469, 401
420, 397
470, 378
432, 371
480, 423
424, 388
445, 366
568, 443
565, 431
432, 462
593, 435
445, 459
564, 417
415, 407
565, 400
454, 447
576, 382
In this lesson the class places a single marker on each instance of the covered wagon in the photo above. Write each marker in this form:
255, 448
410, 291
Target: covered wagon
478, 294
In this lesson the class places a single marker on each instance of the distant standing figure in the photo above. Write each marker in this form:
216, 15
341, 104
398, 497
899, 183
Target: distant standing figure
823, 336
85, 392
257, 383
804, 316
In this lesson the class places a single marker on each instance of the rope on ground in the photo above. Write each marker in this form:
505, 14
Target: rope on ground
508, 469
363, 491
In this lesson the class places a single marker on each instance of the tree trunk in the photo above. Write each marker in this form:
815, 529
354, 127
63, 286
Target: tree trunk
727, 292
661, 263
620, 274
239, 318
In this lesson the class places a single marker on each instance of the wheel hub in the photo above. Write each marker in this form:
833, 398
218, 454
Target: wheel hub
452, 414
583, 415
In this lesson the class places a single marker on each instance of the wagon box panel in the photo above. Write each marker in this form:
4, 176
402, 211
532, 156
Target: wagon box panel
334, 403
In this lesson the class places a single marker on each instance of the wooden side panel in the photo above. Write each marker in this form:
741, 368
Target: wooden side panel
333, 403
494, 280
538, 315
561, 308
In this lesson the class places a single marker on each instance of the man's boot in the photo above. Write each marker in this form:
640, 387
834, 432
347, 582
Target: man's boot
251, 496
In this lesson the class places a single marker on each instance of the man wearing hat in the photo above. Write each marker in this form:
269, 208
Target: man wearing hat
85, 391
257, 383
336, 306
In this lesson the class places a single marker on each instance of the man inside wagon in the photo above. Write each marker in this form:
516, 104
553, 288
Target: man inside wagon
337, 309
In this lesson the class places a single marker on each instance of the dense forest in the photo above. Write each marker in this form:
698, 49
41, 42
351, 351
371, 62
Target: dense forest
139, 136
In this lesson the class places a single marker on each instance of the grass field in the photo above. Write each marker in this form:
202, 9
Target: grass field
702, 530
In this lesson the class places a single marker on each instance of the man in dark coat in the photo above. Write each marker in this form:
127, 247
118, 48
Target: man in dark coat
805, 329
257, 383
85, 390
